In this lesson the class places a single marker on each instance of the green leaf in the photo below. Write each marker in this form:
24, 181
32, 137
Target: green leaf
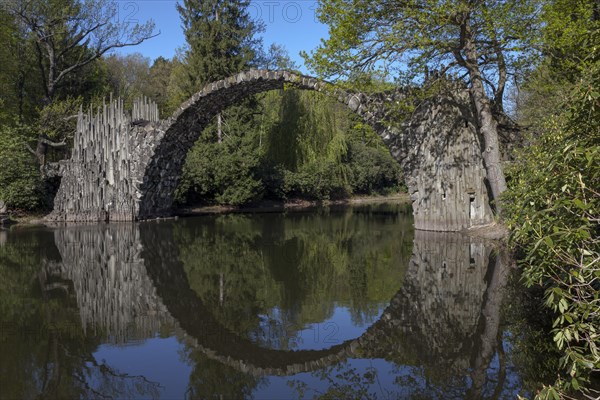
580, 204
575, 384
568, 318
562, 305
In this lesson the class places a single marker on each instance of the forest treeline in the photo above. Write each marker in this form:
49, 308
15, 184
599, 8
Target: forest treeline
534, 63
276, 145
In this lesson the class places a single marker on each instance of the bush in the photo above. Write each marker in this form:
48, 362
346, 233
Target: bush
553, 209
317, 181
373, 170
226, 172
20, 180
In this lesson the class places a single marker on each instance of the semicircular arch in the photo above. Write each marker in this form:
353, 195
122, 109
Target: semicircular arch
179, 132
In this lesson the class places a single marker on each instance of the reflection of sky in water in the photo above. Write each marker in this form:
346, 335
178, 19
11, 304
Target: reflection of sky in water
162, 360
338, 328
157, 359
279, 387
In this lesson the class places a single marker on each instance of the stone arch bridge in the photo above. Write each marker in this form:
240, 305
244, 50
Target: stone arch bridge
127, 166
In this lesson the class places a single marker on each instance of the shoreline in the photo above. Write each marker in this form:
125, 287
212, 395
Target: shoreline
494, 231
268, 206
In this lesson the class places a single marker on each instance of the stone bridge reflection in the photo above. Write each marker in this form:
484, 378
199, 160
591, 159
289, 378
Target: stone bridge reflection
128, 281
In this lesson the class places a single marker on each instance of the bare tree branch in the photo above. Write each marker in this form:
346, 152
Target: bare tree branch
86, 30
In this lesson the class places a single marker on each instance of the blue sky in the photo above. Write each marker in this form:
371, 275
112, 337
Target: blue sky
290, 23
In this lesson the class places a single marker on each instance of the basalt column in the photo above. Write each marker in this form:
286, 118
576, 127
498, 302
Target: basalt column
440, 154
101, 181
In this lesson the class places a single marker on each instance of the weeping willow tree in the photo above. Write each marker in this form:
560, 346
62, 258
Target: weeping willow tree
321, 149
307, 137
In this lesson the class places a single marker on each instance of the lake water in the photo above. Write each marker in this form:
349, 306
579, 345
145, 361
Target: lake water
329, 303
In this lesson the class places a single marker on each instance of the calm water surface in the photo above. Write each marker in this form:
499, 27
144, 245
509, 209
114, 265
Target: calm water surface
338, 303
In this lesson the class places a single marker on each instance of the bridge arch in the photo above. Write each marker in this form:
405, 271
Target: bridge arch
183, 128
127, 168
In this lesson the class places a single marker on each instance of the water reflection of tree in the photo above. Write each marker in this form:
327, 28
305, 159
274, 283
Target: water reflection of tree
212, 380
344, 382
271, 276
528, 323
45, 353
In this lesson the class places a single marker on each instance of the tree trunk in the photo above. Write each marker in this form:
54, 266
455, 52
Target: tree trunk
40, 151
487, 125
219, 128
221, 290
490, 322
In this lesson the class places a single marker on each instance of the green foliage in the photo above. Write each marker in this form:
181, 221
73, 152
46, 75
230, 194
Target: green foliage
50, 66
300, 144
227, 172
20, 182
277, 57
386, 36
555, 210
10, 67
323, 149
569, 36
69, 35
131, 77
481, 42
554, 213
373, 170
221, 41
569, 40
318, 181
20, 90
305, 135
128, 76
160, 76
58, 120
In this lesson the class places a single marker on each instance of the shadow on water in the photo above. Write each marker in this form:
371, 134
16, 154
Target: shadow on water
349, 303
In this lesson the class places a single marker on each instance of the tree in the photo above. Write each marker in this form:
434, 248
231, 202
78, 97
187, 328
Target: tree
128, 76
553, 209
277, 57
483, 41
20, 184
221, 41
160, 73
19, 88
70, 34
553, 204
